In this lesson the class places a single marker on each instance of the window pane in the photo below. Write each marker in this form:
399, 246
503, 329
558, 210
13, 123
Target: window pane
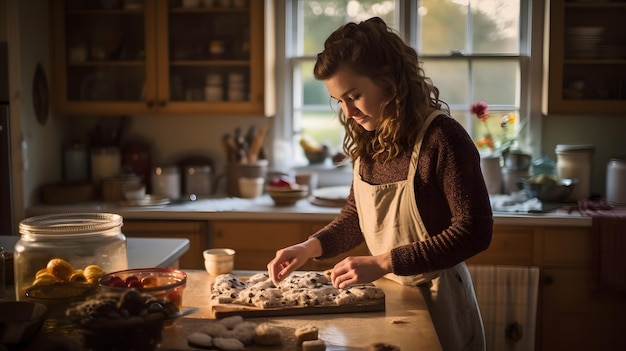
494, 26
496, 82
442, 26
321, 18
452, 79
313, 91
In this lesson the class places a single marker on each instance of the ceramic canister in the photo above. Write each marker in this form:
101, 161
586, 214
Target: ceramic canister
574, 161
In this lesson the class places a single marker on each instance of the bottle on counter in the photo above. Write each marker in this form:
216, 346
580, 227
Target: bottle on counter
616, 181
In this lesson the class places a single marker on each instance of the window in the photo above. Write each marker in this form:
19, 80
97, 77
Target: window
474, 50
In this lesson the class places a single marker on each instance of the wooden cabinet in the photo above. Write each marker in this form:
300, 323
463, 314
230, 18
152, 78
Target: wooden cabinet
584, 57
510, 245
256, 242
158, 57
195, 231
574, 314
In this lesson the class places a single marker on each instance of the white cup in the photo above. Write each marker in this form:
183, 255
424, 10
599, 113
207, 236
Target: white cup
250, 188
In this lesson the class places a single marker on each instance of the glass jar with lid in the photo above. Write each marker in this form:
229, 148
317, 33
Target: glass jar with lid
77, 240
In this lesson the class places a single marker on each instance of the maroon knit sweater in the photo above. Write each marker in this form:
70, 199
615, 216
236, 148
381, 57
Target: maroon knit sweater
451, 197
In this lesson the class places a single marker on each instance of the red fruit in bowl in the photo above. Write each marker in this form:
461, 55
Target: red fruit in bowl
280, 183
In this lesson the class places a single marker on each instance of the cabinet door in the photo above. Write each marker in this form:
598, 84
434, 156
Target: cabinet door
211, 58
510, 245
255, 242
195, 231
103, 56
585, 49
575, 318
159, 57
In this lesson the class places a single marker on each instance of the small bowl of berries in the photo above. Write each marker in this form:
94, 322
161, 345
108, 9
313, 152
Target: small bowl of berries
163, 283
286, 192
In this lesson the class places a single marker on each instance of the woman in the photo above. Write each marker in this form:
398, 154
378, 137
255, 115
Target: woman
418, 198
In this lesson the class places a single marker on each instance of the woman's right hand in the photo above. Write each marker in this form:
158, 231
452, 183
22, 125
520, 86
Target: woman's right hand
291, 258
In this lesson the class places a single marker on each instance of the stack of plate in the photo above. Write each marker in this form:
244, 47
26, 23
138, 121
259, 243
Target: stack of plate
583, 42
334, 196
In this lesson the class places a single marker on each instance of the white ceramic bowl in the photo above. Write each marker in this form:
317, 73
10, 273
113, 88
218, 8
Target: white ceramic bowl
219, 261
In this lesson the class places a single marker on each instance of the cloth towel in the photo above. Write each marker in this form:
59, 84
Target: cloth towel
608, 230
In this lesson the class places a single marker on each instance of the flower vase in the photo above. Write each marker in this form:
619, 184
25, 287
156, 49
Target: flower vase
492, 174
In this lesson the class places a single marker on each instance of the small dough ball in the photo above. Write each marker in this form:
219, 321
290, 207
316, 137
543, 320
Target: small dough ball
306, 332
231, 322
214, 329
60, 269
198, 339
228, 344
267, 335
383, 347
313, 345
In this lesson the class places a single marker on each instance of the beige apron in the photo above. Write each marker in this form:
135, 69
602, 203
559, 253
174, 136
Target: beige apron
389, 217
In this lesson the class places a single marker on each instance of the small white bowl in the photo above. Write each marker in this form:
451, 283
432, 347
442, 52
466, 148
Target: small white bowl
219, 261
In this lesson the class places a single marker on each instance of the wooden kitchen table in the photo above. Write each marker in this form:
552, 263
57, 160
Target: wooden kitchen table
405, 321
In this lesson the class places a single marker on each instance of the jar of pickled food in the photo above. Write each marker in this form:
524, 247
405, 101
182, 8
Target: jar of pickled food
67, 249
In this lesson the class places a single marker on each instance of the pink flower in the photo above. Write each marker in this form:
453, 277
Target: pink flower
481, 110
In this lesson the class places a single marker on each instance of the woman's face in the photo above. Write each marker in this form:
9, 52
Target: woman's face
358, 96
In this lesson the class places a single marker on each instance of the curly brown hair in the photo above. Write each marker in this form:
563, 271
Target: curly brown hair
374, 50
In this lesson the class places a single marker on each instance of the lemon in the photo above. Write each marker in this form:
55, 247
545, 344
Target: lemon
92, 273
60, 269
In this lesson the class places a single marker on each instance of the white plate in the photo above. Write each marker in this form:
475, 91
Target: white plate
147, 200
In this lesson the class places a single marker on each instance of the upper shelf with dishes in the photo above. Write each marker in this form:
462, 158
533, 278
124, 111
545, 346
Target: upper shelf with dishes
153, 57
585, 52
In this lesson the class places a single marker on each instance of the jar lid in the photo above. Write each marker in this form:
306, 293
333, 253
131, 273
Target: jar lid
568, 147
70, 223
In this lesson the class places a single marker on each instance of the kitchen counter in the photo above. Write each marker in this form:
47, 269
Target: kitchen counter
405, 322
141, 252
263, 208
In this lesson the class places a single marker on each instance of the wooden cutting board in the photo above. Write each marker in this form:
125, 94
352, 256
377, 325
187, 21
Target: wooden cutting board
225, 310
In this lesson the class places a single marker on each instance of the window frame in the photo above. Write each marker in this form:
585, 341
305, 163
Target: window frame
530, 61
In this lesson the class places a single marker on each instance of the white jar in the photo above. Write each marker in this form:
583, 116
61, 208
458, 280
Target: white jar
616, 181
166, 182
106, 162
574, 161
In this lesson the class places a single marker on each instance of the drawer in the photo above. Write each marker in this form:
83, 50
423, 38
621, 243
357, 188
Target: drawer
566, 246
509, 246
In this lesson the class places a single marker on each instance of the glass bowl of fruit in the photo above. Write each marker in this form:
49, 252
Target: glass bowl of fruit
163, 283
286, 192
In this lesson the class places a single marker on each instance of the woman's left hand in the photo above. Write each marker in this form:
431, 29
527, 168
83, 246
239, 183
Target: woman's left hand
360, 270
